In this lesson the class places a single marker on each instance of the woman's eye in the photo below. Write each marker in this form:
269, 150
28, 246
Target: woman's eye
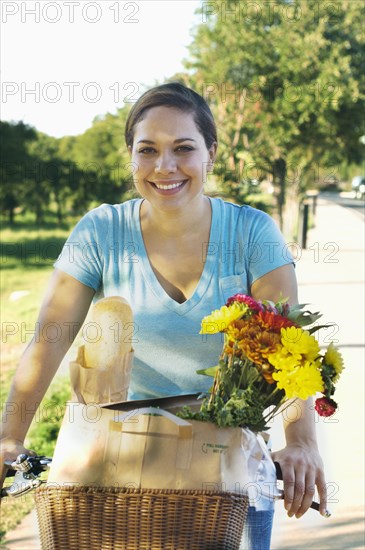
146, 150
184, 148
151, 150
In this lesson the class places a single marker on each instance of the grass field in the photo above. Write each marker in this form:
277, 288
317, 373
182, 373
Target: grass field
27, 256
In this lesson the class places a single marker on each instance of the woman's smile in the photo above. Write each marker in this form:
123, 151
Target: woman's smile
168, 187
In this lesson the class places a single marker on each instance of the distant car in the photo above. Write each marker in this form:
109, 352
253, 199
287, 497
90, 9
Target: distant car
330, 184
358, 185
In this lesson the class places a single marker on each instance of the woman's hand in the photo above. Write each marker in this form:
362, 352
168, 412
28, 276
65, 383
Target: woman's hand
302, 469
9, 450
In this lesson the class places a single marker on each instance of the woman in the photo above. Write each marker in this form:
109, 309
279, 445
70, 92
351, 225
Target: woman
175, 255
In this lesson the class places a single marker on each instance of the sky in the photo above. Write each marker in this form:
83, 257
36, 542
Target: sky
65, 62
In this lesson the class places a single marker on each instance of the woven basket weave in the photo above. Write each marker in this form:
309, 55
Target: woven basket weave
94, 518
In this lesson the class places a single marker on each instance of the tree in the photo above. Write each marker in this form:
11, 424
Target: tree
15, 138
101, 165
286, 83
73, 171
43, 181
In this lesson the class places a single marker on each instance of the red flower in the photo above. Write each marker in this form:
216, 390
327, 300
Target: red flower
325, 406
243, 298
274, 321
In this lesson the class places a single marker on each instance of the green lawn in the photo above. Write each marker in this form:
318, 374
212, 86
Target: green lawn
27, 256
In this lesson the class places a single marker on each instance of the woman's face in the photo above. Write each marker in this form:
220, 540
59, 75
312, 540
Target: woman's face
170, 158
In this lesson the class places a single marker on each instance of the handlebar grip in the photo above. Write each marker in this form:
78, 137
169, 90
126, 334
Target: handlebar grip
279, 473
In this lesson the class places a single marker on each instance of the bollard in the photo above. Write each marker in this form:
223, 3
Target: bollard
312, 194
305, 215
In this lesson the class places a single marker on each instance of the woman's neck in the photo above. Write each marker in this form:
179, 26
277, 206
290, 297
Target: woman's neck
177, 222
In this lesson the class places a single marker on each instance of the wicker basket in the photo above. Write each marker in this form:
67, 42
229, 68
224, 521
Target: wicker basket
92, 518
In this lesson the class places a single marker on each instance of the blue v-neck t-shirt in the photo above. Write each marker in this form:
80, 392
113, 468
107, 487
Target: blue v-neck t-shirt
106, 252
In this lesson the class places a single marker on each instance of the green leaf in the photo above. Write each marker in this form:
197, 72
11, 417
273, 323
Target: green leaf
317, 327
249, 376
303, 317
210, 371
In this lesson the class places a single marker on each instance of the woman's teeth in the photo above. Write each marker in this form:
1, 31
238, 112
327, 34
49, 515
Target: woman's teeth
171, 186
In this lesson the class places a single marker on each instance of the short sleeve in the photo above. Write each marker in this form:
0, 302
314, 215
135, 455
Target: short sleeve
82, 254
266, 246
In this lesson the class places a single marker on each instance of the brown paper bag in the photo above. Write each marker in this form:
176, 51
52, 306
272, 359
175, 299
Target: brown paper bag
151, 448
100, 385
101, 372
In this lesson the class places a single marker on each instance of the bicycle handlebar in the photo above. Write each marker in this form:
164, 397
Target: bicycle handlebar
27, 469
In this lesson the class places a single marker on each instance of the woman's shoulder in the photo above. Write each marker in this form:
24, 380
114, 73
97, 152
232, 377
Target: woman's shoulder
107, 211
241, 211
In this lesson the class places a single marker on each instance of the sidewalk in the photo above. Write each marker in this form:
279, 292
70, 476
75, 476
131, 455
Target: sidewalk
331, 278
330, 273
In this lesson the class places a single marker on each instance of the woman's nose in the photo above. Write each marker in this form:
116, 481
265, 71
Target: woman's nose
165, 163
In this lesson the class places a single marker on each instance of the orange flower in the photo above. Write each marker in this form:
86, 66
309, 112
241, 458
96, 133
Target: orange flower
259, 344
268, 377
230, 350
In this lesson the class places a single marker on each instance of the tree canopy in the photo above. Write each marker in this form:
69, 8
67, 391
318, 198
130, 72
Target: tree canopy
73, 172
285, 81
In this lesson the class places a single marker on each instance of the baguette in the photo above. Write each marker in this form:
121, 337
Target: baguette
112, 321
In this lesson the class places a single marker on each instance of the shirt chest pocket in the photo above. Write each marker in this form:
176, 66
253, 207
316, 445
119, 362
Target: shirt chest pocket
232, 285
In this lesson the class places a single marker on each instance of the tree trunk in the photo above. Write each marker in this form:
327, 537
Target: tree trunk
59, 207
59, 213
39, 213
279, 179
9, 205
11, 215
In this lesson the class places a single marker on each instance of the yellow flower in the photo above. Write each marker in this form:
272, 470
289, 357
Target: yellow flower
283, 360
301, 382
219, 320
299, 341
334, 358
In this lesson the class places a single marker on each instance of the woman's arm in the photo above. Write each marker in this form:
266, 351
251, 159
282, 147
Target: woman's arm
277, 284
62, 313
300, 461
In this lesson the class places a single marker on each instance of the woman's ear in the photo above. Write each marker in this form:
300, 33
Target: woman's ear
129, 150
212, 156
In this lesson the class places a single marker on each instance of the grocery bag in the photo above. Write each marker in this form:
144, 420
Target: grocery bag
151, 448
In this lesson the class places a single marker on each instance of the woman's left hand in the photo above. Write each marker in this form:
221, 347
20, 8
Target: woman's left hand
302, 469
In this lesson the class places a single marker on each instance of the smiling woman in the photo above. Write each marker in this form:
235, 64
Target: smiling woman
174, 254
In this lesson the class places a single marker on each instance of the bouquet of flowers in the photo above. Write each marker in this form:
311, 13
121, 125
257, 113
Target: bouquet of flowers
267, 359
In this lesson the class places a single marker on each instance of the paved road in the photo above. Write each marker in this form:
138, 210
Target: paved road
331, 277
347, 199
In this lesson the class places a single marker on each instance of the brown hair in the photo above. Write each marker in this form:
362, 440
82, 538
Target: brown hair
173, 94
